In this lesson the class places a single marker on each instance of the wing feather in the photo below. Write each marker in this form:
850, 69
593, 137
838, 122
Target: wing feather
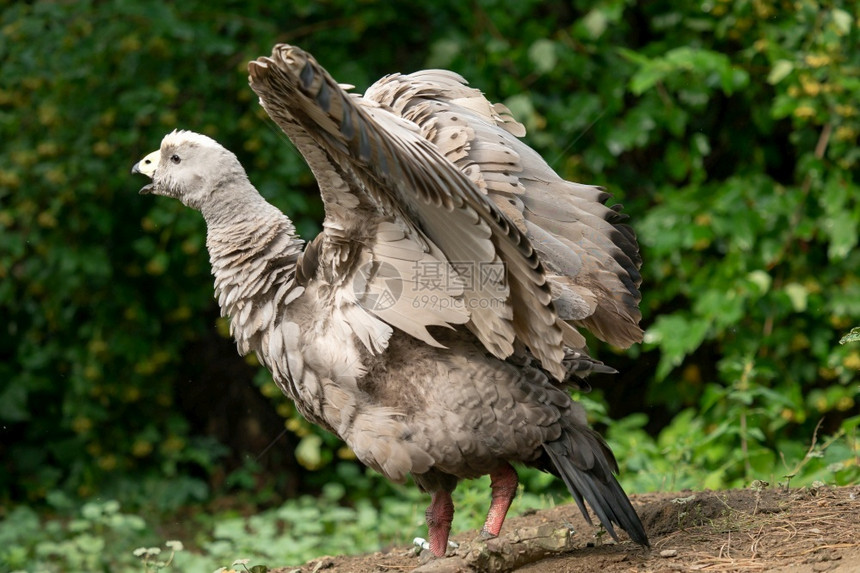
402, 172
591, 256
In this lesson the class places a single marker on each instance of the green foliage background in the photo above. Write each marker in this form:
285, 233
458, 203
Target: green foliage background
729, 130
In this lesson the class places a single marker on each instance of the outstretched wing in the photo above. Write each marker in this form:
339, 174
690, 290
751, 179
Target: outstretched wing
374, 165
591, 257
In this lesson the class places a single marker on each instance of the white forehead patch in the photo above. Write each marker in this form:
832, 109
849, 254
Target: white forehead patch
177, 138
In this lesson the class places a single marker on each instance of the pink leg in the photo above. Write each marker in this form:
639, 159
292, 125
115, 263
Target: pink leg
439, 515
504, 482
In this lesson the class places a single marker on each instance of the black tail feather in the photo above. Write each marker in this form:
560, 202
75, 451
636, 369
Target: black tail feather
583, 460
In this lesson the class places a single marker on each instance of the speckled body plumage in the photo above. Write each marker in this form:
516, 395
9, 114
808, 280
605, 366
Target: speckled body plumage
314, 359
427, 189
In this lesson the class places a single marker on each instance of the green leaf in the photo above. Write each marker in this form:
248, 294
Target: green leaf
595, 22
542, 53
647, 77
443, 52
842, 230
308, 451
842, 20
852, 336
677, 336
761, 279
13, 404
779, 70
798, 294
633, 56
783, 106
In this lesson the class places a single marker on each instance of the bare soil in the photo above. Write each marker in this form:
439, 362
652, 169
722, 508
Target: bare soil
774, 529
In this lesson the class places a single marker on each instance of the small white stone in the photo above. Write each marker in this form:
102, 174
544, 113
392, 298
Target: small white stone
669, 553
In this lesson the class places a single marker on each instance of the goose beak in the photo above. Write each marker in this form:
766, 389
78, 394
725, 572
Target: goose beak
147, 166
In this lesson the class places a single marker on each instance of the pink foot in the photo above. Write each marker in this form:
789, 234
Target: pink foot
504, 482
439, 515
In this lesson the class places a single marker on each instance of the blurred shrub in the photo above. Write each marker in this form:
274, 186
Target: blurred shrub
751, 238
728, 129
84, 542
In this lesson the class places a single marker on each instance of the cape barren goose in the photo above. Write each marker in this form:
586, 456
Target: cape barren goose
432, 324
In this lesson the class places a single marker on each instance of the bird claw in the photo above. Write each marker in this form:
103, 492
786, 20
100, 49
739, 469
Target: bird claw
423, 545
487, 535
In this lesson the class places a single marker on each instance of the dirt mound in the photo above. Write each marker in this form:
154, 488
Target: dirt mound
767, 529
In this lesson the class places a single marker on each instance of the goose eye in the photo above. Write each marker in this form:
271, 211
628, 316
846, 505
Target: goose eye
175, 158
